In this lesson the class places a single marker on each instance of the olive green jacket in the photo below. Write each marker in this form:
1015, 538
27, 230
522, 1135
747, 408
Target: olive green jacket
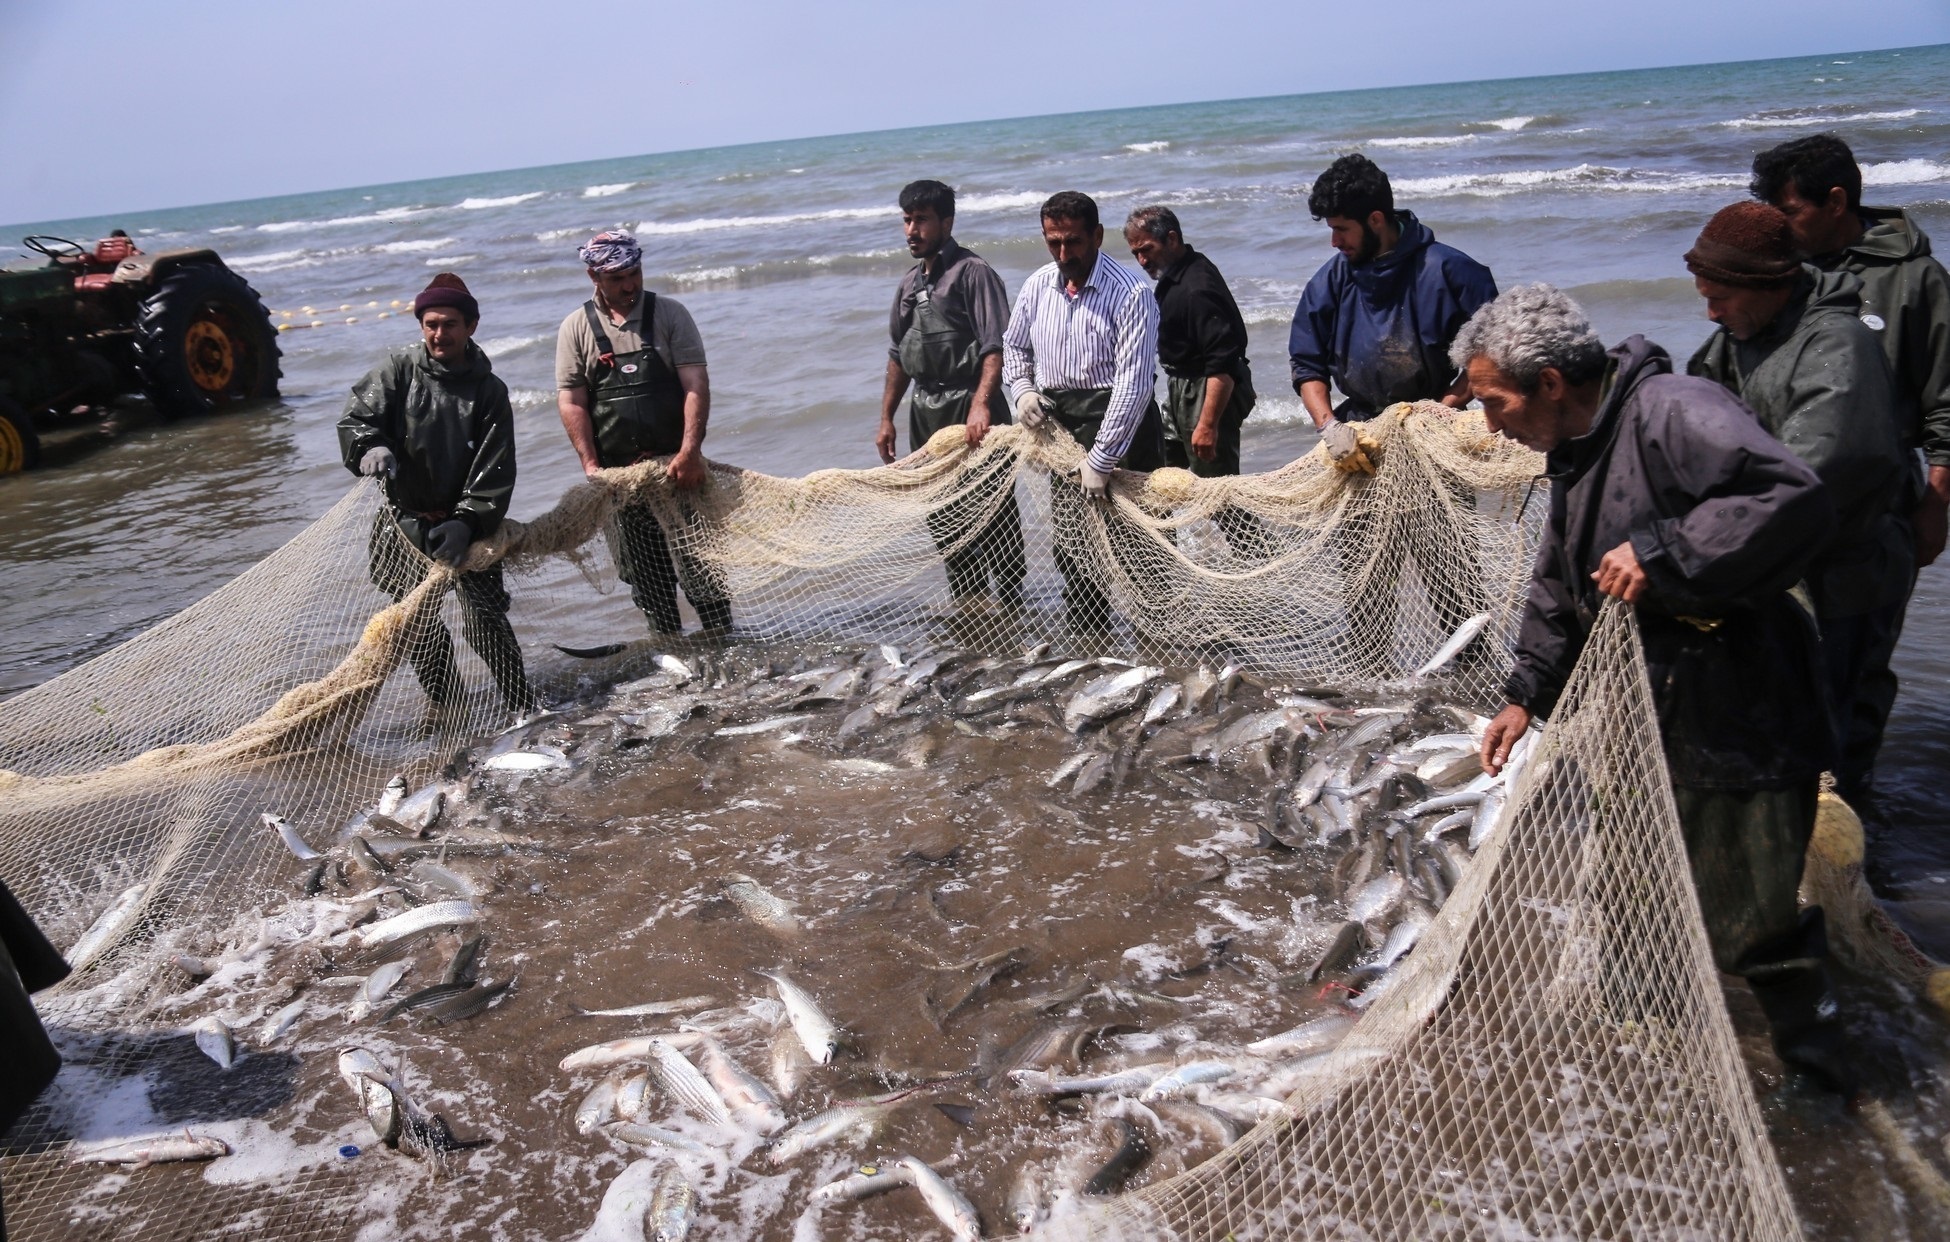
1906, 303
1817, 379
451, 428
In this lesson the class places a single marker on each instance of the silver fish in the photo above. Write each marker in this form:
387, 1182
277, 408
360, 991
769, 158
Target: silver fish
160, 1149
632, 1097
762, 906
789, 1062
418, 919
745, 1093
1446, 768
643, 1134
1120, 1082
861, 1117
1168, 697
682, 1082
1024, 1199
391, 796
652, 1009
463, 886
1402, 937
1185, 1077
1068, 768
107, 929
772, 725
1314, 1035
615, 1052
1376, 898
289, 835
539, 759
374, 989
1449, 650
866, 1181
597, 1107
1108, 695
214, 1040
1469, 795
816, 1031
278, 1023
892, 655
1094, 772
949, 1206
673, 1205
1453, 820
1488, 812
419, 812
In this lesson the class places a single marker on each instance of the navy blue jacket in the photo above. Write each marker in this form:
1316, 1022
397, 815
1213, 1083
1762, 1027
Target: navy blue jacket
1381, 332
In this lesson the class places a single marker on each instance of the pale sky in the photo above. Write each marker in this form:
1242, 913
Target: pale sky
113, 105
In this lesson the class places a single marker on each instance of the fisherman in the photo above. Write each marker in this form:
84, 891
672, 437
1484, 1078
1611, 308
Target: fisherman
1377, 320
28, 963
1081, 350
1792, 347
433, 421
631, 384
1906, 303
947, 322
1201, 343
1666, 493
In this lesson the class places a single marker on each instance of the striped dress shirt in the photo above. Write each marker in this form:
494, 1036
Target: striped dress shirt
1104, 336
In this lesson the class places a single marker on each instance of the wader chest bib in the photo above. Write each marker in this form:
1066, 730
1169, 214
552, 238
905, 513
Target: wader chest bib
637, 403
1080, 411
944, 362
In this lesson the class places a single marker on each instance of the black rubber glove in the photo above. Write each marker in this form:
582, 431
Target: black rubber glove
447, 542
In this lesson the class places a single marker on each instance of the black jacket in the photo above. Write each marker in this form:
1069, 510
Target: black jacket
1724, 520
28, 963
451, 428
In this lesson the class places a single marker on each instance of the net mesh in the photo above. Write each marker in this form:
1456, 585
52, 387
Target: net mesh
1554, 1061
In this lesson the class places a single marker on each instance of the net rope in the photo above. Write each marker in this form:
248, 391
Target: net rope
1555, 1061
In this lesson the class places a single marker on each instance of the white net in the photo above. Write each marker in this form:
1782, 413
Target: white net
1552, 1060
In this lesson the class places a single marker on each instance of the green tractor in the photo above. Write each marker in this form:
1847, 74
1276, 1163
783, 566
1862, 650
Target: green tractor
92, 325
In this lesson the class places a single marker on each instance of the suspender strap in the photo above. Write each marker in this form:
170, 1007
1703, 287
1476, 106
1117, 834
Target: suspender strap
606, 352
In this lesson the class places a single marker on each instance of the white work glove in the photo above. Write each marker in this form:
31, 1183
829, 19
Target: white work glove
1032, 409
378, 461
1340, 440
1095, 486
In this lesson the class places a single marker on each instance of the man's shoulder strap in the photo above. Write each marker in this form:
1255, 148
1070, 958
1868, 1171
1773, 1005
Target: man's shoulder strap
605, 352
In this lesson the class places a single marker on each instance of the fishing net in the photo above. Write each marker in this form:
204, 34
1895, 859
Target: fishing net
1555, 1061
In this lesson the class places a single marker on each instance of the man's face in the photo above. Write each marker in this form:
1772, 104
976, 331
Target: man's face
619, 290
446, 333
1074, 247
1357, 240
1743, 312
1533, 419
1154, 256
926, 231
1818, 225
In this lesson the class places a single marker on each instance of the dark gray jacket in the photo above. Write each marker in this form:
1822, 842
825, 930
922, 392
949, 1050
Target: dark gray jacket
1817, 379
1723, 519
451, 428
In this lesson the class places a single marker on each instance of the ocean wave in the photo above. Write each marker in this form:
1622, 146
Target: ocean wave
1145, 148
1511, 124
451, 260
478, 204
409, 247
531, 398
389, 213
1905, 172
276, 261
604, 191
228, 228
549, 236
1440, 140
502, 345
1579, 177
705, 276
708, 224
1796, 120
1001, 202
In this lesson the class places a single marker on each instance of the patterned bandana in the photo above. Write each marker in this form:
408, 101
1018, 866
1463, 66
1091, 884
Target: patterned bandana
612, 251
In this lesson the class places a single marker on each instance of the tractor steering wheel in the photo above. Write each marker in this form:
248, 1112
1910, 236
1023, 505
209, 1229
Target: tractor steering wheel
54, 247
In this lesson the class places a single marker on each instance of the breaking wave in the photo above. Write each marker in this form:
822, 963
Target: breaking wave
1579, 177
1145, 148
477, 204
409, 247
1438, 140
605, 191
1795, 120
371, 217
1905, 172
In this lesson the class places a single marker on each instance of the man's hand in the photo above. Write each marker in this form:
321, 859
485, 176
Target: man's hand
1501, 735
1095, 486
1205, 439
686, 469
1340, 440
978, 424
447, 542
378, 461
590, 468
1932, 523
886, 442
1032, 409
1619, 574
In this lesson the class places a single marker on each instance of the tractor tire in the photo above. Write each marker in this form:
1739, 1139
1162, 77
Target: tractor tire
203, 341
20, 446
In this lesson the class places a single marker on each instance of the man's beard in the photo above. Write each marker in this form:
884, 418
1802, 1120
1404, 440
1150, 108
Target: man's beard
1370, 245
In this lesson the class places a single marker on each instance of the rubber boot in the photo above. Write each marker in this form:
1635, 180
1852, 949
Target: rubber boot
1791, 984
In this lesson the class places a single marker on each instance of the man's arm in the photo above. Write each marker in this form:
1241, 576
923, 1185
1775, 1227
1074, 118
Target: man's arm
1926, 356
491, 479
364, 425
1221, 349
1205, 436
1309, 346
1018, 355
890, 400
1134, 381
687, 467
572, 404
978, 404
1313, 398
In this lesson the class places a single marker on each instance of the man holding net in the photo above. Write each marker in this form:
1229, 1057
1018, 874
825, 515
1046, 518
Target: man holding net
1081, 352
433, 422
947, 322
631, 384
1666, 493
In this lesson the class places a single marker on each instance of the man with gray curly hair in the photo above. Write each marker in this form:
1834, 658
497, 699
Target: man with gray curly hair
1668, 494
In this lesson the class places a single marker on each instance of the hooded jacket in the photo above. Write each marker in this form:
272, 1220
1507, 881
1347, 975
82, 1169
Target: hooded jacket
1723, 519
1381, 331
1817, 379
1907, 293
451, 428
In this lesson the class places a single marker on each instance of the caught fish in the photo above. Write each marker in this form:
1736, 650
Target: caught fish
597, 1107
289, 835
214, 1040
539, 759
1094, 772
773, 725
467, 1002
745, 1093
1488, 812
1453, 820
425, 998
1468, 795
374, 989
762, 906
1024, 1199
1464, 635
437, 875
419, 919
862, 1117
1314, 1035
1068, 768
625, 1211
652, 1009
1120, 1082
379, 1099
600, 1056
1133, 1150
1108, 695
1346, 941
816, 1031
391, 796
1402, 937
654, 1137
1377, 897
143, 1152
107, 929
419, 812
278, 1023
789, 1062
673, 1205
682, 1082
1184, 1078
949, 1206
1162, 703
863, 1183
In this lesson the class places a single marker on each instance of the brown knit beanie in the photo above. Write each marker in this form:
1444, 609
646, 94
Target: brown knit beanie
1746, 244
447, 289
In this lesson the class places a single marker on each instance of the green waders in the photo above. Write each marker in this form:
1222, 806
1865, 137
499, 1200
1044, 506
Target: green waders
1080, 411
945, 364
1184, 403
638, 408
483, 613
